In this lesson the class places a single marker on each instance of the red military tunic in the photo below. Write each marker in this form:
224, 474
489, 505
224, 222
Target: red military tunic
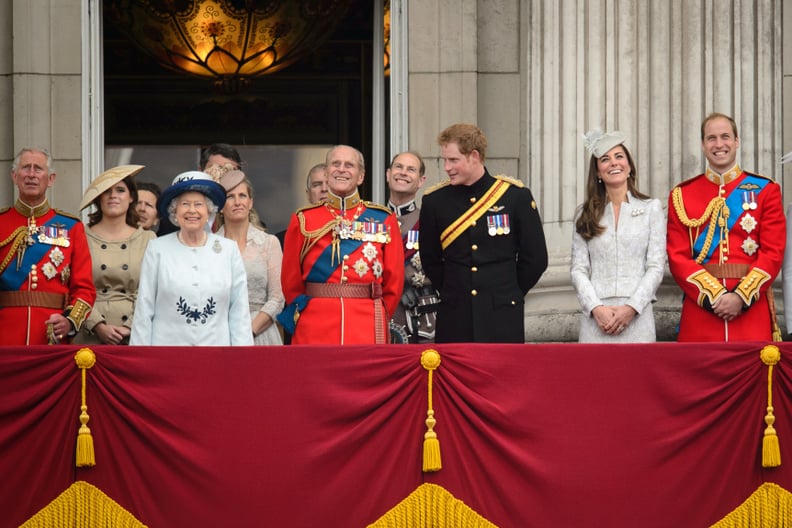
334, 253
743, 257
45, 268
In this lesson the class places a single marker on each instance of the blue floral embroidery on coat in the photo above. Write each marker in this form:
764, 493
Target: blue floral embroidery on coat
192, 314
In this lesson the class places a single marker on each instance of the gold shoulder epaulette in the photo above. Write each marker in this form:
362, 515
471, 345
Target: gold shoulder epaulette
509, 179
374, 205
310, 206
67, 215
689, 180
762, 176
436, 186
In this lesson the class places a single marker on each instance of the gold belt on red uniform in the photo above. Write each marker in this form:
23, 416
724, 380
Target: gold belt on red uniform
56, 301
727, 271
371, 290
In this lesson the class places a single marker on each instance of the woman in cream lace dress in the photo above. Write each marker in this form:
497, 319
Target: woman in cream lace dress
618, 248
262, 256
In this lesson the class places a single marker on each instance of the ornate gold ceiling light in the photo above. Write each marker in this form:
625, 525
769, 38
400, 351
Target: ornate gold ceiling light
230, 41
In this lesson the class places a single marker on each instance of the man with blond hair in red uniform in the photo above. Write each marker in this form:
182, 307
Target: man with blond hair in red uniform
343, 262
725, 243
46, 280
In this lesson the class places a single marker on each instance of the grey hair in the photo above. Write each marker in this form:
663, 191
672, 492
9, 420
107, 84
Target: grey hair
50, 168
361, 161
172, 209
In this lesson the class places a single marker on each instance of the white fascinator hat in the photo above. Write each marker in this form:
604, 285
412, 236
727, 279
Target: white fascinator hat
598, 142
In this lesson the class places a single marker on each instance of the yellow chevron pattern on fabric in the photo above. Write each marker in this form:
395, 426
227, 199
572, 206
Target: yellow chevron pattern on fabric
769, 505
431, 505
82, 506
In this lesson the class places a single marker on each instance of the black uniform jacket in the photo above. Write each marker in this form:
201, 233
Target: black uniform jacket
482, 277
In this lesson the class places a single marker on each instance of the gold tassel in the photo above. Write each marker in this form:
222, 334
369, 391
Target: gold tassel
777, 337
430, 360
771, 451
85, 359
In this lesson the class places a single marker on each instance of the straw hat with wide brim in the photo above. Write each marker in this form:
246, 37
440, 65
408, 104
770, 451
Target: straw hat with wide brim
191, 181
106, 180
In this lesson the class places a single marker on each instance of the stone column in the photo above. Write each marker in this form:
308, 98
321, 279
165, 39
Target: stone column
42, 62
536, 74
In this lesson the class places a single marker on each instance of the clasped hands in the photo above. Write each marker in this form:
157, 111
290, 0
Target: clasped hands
728, 306
612, 320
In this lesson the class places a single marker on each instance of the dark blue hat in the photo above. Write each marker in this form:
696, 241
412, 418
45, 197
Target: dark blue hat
191, 181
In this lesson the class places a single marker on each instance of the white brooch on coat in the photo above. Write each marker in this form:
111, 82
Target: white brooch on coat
637, 212
376, 268
748, 222
750, 246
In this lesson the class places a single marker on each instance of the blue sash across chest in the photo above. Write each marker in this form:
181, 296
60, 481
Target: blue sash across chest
734, 203
325, 265
13, 277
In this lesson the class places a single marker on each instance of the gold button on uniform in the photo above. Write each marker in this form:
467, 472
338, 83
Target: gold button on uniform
473, 292
474, 269
474, 247
473, 200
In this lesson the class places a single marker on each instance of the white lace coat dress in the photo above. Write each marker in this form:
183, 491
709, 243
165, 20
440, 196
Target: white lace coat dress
621, 266
262, 258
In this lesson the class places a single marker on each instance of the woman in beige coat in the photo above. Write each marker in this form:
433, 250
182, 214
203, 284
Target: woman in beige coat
117, 246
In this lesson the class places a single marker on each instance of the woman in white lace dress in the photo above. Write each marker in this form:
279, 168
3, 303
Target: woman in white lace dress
261, 254
618, 247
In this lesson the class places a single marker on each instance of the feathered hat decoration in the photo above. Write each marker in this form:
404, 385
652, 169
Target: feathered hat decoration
598, 142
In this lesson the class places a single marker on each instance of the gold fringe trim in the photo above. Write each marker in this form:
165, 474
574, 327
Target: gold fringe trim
771, 451
83, 506
85, 359
769, 505
430, 360
431, 505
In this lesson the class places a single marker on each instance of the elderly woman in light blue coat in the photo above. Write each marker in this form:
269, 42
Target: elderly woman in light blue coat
193, 286
618, 247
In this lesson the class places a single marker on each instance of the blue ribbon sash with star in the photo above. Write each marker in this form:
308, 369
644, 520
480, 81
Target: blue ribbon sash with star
325, 264
734, 203
14, 277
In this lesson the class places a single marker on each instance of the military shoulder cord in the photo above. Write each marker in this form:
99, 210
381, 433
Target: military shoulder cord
716, 211
17, 237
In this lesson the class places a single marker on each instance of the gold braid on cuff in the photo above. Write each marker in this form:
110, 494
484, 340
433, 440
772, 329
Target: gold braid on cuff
749, 287
78, 313
708, 285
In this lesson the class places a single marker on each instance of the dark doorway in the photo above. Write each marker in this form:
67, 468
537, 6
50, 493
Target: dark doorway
281, 123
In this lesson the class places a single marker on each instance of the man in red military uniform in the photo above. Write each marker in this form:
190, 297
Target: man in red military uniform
343, 262
725, 243
46, 282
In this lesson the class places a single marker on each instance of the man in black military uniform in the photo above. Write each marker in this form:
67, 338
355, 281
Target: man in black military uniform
414, 320
482, 244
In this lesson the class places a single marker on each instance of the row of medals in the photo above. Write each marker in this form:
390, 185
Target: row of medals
498, 225
364, 231
51, 235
